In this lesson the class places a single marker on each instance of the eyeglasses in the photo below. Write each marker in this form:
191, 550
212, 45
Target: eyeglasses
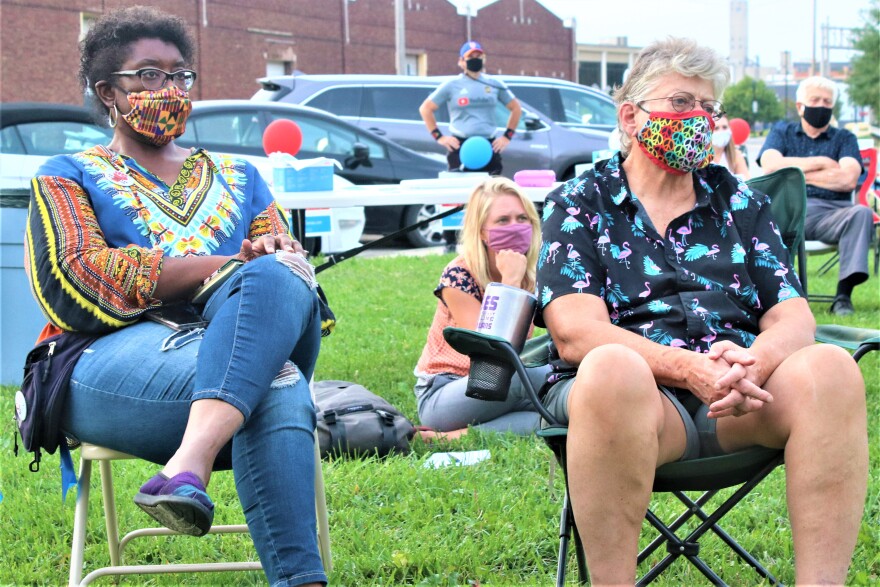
684, 102
155, 79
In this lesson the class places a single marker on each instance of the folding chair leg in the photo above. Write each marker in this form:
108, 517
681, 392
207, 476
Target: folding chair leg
827, 265
110, 512
727, 538
321, 512
564, 534
80, 519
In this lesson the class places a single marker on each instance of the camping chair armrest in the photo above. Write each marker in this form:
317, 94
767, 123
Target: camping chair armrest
860, 340
476, 344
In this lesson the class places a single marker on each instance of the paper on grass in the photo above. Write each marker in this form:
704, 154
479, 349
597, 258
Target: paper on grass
446, 459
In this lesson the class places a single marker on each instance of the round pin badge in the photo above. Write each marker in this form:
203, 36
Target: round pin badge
21, 410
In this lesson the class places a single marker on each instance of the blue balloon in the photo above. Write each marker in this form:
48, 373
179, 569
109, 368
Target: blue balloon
476, 152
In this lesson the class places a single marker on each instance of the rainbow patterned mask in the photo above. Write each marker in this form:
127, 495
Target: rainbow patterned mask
678, 142
159, 115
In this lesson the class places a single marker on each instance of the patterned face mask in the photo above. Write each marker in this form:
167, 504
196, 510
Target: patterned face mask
159, 115
678, 142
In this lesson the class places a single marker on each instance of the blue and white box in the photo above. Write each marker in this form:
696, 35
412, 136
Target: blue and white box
290, 174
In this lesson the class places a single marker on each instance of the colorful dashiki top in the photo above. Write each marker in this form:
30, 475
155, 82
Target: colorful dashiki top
715, 272
99, 226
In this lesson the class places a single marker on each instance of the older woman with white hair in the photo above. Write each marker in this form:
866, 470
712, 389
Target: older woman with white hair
692, 336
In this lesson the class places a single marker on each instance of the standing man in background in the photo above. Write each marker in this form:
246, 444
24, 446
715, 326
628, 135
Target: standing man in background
471, 99
832, 163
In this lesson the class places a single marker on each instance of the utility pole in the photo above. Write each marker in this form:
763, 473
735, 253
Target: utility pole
786, 63
400, 37
813, 63
754, 90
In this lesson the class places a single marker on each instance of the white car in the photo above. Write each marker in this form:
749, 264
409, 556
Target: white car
32, 132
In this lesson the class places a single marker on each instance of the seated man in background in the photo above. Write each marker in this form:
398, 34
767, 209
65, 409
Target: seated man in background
831, 162
680, 331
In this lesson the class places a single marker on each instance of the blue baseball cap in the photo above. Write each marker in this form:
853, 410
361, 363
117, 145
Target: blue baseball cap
470, 47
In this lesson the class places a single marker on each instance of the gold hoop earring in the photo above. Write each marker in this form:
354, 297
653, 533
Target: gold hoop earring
111, 119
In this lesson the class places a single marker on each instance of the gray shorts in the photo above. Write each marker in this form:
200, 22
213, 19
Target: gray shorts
702, 441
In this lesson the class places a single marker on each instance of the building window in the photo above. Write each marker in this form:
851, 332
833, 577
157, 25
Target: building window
86, 20
276, 68
589, 73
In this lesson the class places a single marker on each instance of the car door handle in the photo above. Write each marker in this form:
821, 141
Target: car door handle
376, 130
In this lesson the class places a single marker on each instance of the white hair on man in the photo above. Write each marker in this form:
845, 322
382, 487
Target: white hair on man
816, 81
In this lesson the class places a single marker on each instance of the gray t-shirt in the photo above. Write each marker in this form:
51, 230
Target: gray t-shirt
471, 104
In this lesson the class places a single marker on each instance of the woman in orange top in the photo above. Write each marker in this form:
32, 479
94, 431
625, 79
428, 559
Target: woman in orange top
499, 242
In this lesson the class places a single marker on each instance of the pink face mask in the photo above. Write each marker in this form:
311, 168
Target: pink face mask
515, 237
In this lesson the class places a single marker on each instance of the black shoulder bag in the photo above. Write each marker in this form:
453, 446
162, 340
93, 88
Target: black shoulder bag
39, 402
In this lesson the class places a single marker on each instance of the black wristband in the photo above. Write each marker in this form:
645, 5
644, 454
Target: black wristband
508, 134
436, 134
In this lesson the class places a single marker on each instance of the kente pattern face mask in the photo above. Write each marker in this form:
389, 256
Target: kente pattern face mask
678, 142
515, 237
159, 115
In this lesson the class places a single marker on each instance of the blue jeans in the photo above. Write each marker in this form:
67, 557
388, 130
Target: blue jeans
128, 394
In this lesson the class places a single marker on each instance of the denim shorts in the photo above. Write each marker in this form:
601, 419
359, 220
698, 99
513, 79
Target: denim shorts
702, 440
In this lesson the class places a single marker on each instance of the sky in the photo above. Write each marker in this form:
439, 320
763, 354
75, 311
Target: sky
774, 25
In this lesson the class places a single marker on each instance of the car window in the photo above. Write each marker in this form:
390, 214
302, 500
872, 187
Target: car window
502, 114
329, 138
53, 137
584, 108
10, 142
225, 129
397, 103
340, 101
539, 98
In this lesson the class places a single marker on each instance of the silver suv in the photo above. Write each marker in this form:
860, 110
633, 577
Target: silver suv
388, 105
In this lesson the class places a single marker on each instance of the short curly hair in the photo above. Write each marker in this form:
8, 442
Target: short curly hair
108, 43
661, 58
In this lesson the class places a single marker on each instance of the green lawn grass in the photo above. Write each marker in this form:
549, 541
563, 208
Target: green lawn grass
394, 522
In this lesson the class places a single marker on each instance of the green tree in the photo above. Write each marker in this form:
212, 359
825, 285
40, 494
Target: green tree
739, 97
864, 78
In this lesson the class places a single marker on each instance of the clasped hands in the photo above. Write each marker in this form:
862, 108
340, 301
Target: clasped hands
269, 244
728, 381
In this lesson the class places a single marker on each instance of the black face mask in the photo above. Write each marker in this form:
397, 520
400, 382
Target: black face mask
817, 116
474, 64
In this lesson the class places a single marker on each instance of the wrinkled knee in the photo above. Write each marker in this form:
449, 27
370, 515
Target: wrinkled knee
614, 377
831, 378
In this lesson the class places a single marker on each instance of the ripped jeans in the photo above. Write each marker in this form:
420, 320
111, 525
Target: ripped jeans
258, 354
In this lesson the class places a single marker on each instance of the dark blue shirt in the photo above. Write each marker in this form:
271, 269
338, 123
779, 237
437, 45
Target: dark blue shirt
711, 277
790, 139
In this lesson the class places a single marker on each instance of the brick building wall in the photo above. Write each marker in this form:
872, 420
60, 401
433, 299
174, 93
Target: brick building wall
39, 54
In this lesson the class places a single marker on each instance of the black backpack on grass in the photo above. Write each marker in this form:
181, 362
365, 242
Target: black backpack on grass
354, 421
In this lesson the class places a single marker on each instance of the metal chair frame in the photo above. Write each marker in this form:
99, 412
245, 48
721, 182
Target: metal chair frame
105, 457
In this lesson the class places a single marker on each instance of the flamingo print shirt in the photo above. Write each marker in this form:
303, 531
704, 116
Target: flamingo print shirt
710, 277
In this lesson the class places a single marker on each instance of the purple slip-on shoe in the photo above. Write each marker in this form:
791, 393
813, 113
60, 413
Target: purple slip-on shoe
179, 503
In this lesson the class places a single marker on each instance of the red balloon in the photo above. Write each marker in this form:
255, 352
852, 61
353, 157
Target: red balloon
740, 130
282, 135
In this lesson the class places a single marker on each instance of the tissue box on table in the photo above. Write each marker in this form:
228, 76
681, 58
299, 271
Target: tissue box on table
302, 175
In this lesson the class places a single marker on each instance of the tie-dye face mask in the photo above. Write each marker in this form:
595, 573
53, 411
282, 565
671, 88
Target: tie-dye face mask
678, 142
159, 115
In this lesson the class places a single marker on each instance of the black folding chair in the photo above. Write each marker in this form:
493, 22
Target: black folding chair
490, 355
